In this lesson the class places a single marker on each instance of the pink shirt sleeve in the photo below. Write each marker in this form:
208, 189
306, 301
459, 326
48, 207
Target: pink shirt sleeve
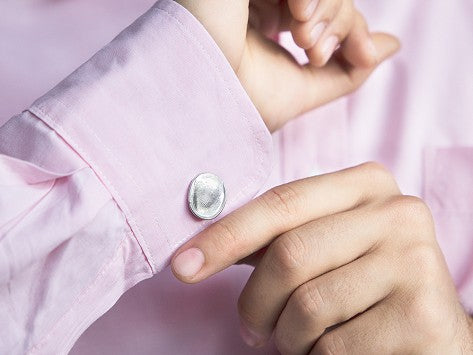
94, 176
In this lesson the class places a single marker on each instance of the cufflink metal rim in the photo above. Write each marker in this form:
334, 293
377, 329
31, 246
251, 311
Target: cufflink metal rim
192, 192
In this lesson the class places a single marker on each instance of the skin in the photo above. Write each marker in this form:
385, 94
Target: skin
351, 266
344, 263
280, 88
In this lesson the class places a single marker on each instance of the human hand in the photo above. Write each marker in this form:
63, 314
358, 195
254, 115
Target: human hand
280, 88
318, 26
351, 266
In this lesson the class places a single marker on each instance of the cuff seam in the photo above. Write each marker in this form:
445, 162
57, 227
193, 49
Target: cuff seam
188, 35
194, 42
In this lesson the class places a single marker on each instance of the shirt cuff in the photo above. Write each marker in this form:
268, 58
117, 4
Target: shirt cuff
150, 111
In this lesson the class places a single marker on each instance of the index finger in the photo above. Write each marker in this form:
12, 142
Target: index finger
255, 225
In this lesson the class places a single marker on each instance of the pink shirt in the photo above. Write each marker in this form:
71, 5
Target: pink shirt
94, 175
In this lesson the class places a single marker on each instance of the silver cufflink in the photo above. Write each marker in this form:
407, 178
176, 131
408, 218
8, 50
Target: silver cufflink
206, 196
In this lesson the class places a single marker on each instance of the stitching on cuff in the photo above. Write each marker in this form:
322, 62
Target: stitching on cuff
96, 168
187, 34
195, 42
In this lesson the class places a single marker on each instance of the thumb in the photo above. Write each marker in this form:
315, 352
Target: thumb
339, 77
386, 45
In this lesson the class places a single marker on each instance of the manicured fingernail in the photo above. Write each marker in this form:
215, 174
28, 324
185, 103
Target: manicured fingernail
250, 338
310, 8
189, 262
329, 47
317, 31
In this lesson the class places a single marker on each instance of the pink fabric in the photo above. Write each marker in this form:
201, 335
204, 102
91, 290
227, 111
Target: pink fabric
93, 198
93, 178
147, 101
448, 190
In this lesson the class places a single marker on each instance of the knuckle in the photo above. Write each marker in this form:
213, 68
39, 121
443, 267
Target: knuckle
309, 303
410, 211
331, 343
424, 309
417, 209
281, 200
360, 19
425, 260
286, 254
333, 8
425, 317
229, 239
344, 19
378, 175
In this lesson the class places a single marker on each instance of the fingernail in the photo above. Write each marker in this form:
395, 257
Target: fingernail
310, 8
317, 31
249, 337
329, 47
189, 262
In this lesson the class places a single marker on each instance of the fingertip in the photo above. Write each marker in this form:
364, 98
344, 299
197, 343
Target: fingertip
251, 338
306, 35
366, 50
187, 264
302, 10
386, 45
